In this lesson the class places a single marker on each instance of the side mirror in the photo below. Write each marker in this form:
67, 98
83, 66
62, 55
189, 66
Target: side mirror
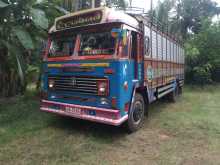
147, 45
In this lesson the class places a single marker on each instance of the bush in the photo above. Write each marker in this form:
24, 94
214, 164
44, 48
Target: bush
202, 75
203, 55
216, 75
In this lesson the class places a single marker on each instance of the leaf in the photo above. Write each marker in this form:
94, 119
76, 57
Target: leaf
3, 4
39, 1
39, 18
20, 68
24, 38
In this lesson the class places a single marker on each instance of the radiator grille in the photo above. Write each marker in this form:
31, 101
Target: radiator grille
81, 85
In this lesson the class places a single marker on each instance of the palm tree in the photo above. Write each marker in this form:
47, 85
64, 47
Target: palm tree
184, 16
189, 15
74, 5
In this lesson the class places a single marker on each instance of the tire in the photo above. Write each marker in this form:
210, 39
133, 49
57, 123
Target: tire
180, 91
172, 97
136, 114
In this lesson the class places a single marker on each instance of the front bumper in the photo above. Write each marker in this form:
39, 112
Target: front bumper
94, 114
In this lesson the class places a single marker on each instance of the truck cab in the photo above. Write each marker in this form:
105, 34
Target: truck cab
91, 66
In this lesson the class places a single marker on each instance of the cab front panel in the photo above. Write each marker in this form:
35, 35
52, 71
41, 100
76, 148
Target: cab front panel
76, 83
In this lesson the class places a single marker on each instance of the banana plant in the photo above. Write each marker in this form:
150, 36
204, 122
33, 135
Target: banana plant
23, 25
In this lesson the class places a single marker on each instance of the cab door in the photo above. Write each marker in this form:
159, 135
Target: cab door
137, 56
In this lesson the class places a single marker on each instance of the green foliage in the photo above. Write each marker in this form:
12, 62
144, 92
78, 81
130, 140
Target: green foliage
23, 27
185, 16
31, 73
23, 37
39, 18
119, 3
17, 40
191, 21
3, 4
202, 74
190, 14
203, 54
162, 11
73, 5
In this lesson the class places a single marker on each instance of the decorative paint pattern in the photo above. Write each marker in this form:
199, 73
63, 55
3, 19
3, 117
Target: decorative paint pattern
78, 65
79, 20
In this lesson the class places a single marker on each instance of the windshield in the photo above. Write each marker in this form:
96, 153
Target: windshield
101, 43
88, 44
62, 47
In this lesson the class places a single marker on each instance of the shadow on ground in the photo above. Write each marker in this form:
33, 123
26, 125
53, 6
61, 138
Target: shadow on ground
72, 125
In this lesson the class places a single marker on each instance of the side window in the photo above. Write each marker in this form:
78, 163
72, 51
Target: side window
134, 47
125, 44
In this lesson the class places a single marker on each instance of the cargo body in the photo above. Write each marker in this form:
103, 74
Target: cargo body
106, 66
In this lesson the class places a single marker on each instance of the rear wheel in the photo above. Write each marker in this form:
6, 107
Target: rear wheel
136, 114
180, 91
173, 95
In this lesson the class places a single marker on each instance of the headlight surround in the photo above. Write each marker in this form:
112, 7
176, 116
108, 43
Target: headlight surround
103, 88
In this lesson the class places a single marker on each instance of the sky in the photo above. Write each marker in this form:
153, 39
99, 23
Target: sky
146, 3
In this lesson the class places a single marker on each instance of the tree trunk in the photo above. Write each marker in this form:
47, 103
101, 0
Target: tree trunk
9, 80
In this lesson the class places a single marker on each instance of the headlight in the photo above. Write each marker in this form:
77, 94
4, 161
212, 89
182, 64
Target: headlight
51, 83
103, 88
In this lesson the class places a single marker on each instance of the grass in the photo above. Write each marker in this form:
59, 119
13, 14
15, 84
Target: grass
187, 132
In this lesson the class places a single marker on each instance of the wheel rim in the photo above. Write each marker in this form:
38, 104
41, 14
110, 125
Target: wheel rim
138, 112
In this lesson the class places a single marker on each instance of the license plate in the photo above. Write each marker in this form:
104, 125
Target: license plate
92, 113
56, 107
73, 110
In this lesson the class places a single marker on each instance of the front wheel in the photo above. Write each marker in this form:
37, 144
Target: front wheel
136, 114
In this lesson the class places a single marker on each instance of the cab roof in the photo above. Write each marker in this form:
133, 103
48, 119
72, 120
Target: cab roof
106, 15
